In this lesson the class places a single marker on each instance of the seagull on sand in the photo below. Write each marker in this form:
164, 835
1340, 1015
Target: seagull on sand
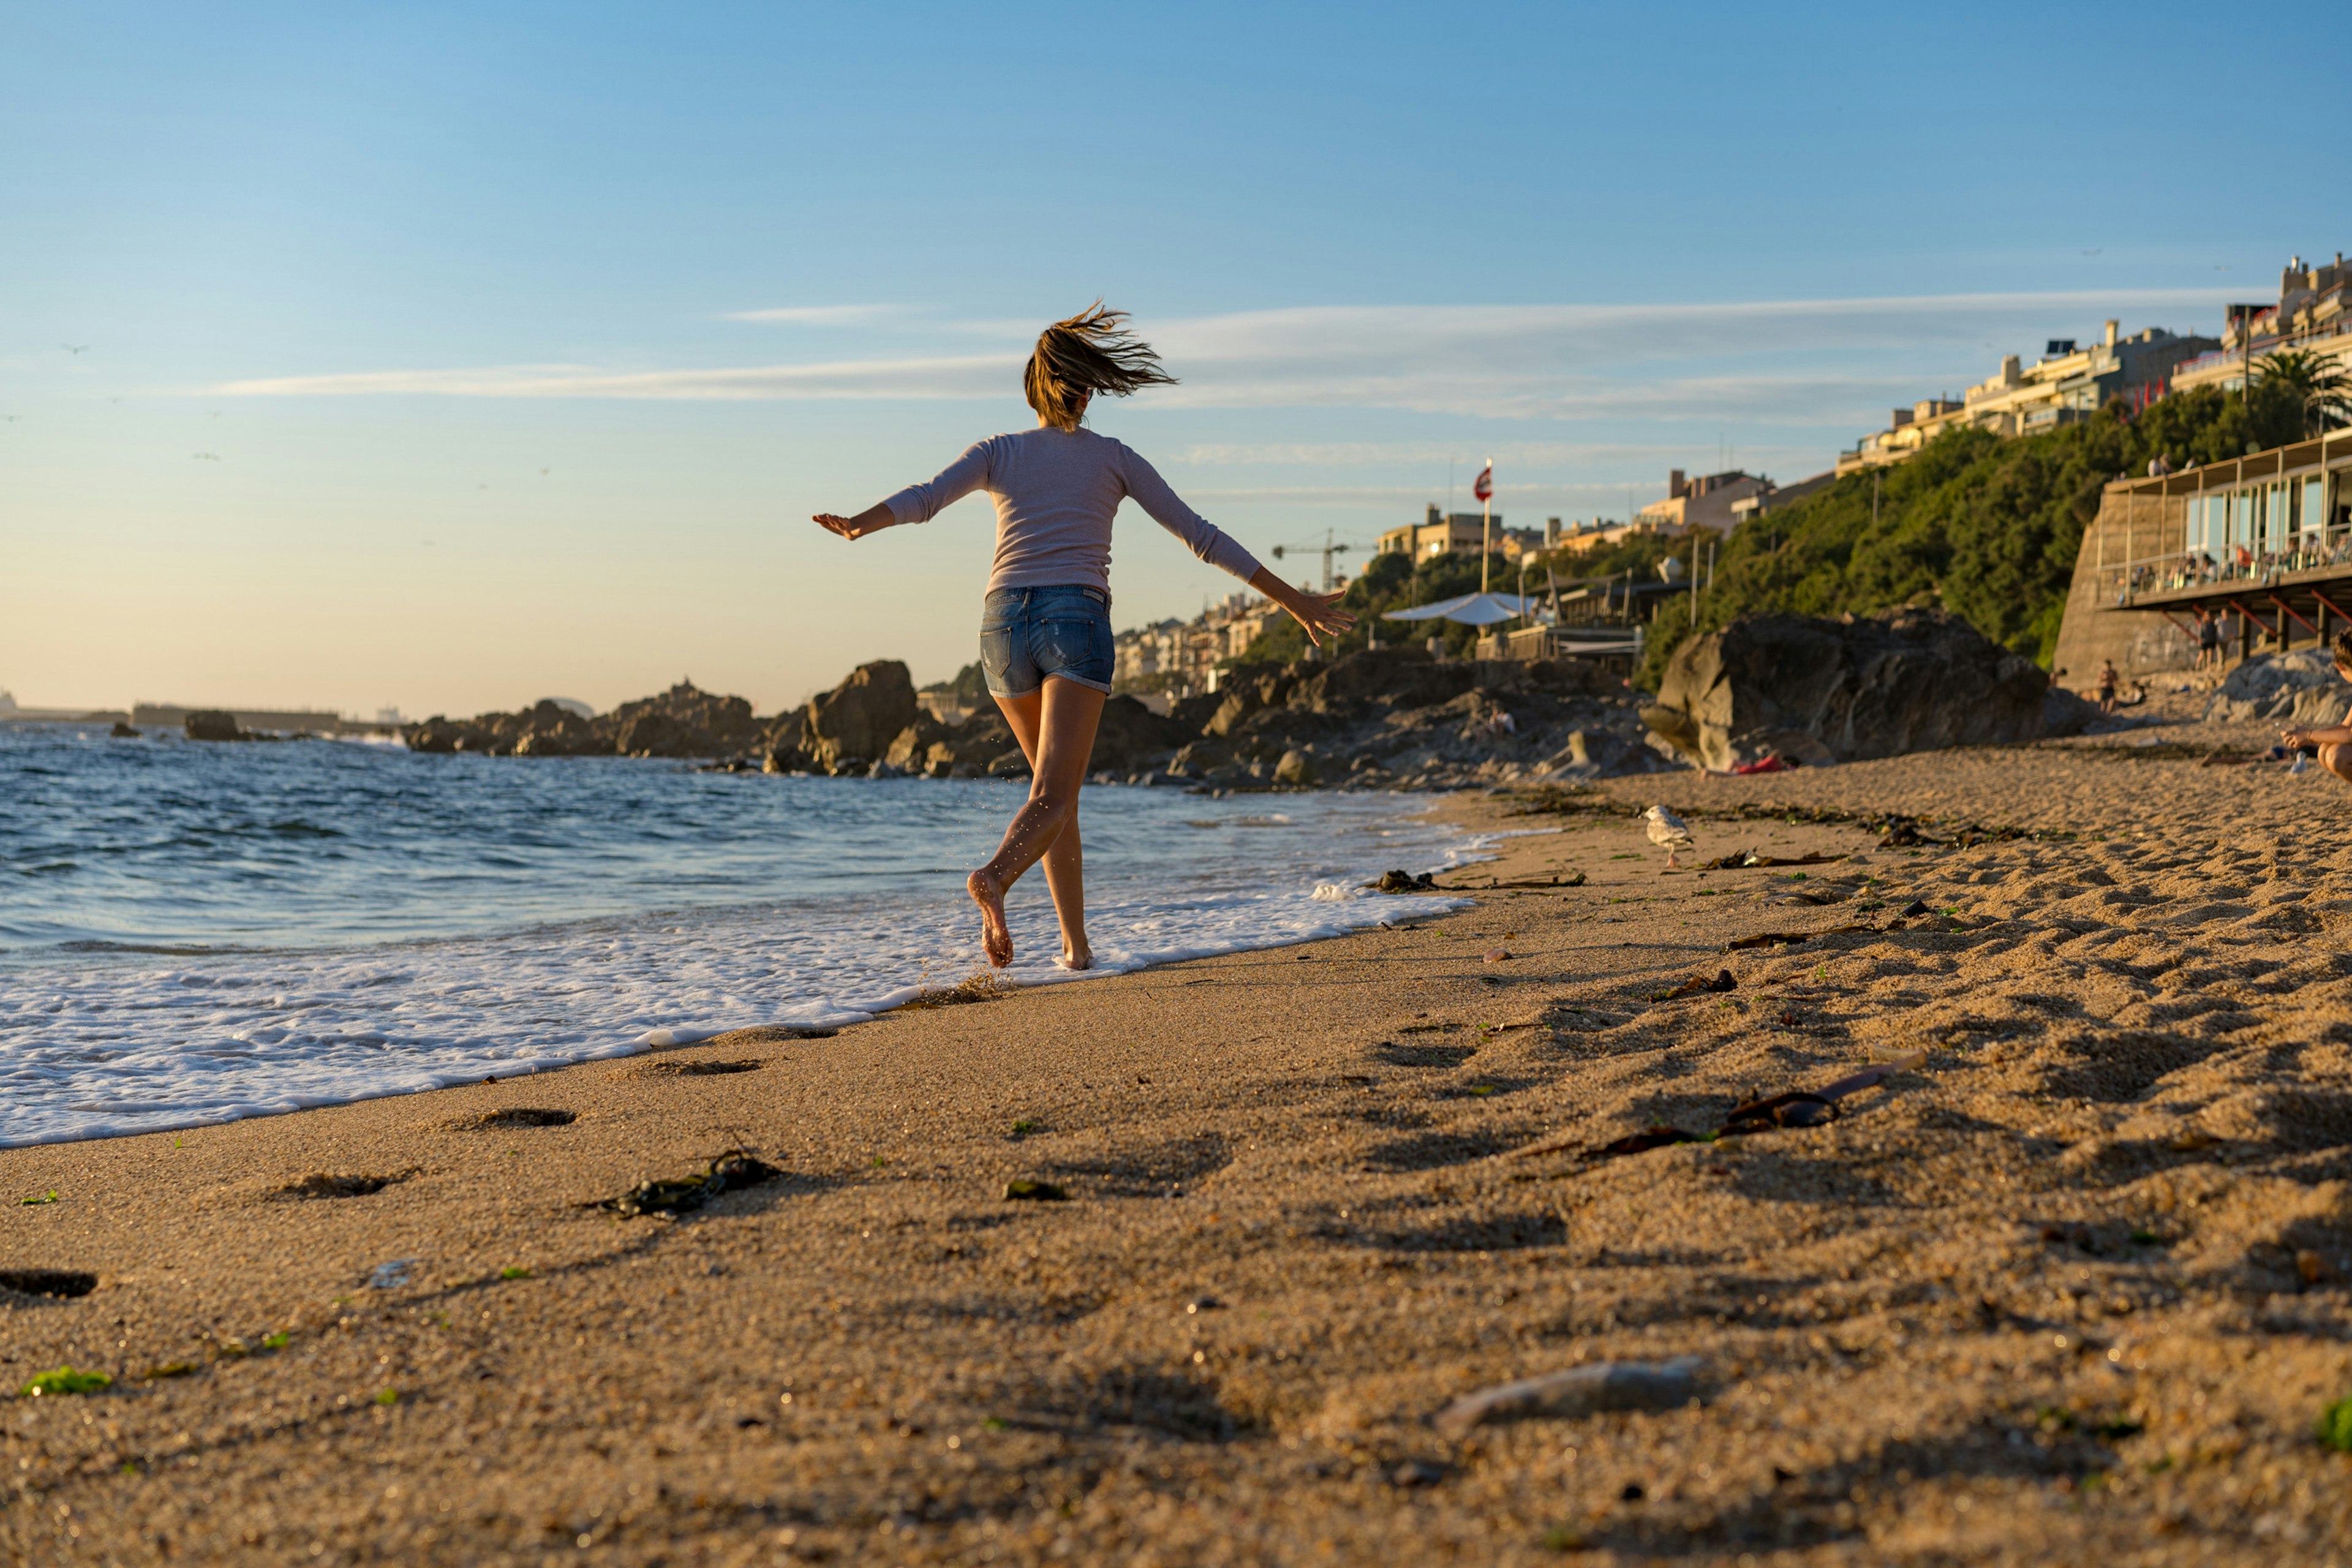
1667, 831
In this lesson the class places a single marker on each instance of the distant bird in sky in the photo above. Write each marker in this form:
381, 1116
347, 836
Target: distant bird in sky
10, 418
216, 414
1668, 832
75, 348
206, 456
2093, 252
542, 473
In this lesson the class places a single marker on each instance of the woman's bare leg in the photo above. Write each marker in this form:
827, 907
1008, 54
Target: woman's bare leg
1065, 876
2337, 759
1055, 727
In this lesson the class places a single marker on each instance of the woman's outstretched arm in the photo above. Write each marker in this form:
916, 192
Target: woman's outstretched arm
1318, 613
916, 503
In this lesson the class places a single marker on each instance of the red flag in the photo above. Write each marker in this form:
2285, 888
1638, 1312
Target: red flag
1485, 489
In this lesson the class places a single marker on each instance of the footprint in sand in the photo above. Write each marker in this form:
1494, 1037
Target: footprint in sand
519, 1116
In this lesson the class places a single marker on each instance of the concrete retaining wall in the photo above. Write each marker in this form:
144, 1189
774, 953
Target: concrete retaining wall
2129, 527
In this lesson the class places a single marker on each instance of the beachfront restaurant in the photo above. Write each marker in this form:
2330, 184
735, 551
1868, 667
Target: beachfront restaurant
2266, 538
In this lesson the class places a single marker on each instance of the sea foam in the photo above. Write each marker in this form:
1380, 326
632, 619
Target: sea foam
152, 1028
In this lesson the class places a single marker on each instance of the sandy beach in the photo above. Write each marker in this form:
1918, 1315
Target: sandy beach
2071, 1287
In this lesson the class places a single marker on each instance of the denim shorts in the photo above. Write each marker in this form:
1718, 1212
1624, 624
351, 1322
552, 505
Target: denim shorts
1028, 634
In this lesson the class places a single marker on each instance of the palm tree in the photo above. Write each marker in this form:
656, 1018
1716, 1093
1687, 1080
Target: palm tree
2316, 383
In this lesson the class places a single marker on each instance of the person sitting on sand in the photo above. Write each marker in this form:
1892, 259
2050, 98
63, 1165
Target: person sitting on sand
2334, 741
1045, 629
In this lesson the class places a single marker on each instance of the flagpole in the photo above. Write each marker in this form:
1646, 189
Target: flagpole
1486, 525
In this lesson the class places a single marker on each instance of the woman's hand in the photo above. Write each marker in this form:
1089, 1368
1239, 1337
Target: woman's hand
1321, 615
872, 520
2291, 739
1318, 613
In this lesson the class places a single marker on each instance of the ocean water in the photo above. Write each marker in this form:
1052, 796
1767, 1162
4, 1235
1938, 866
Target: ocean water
193, 933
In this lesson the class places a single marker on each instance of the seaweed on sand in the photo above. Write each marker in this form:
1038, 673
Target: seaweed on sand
729, 1172
979, 985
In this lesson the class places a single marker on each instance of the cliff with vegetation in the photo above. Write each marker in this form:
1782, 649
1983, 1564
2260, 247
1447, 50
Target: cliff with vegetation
1984, 528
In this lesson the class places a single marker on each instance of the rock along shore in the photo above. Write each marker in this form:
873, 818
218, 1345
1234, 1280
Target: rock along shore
1387, 718
1766, 691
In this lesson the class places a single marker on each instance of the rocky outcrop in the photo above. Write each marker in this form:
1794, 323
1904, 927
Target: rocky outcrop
2300, 688
1390, 718
1604, 754
1818, 690
1132, 736
684, 721
659, 735
211, 724
2063, 713
1395, 716
862, 717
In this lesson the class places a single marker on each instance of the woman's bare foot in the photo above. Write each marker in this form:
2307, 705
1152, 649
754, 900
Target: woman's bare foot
994, 934
1079, 957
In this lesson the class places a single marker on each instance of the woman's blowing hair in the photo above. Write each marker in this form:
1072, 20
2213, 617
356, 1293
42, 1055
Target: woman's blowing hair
1091, 353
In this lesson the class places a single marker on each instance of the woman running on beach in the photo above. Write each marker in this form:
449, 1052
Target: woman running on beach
1044, 628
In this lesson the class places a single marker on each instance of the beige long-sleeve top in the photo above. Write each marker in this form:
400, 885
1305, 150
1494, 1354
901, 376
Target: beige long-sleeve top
1055, 492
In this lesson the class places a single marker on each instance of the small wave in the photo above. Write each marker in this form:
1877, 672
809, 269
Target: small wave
487, 918
172, 949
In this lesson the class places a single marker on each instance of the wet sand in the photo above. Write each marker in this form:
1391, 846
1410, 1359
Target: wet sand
2074, 1289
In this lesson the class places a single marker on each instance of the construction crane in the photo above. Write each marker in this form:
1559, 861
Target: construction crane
1327, 547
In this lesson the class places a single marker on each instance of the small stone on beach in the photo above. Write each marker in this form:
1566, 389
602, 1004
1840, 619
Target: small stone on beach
1581, 1391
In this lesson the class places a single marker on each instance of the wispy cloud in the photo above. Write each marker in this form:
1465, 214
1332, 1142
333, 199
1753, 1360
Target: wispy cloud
820, 315
912, 378
1773, 361
1514, 457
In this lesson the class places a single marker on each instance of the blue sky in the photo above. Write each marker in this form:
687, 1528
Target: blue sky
455, 356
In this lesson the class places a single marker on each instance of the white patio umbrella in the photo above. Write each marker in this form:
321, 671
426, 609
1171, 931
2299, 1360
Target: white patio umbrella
1470, 609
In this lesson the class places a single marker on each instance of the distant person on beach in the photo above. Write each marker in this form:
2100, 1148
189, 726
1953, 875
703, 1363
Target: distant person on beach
2334, 741
2108, 679
2209, 640
1044, 628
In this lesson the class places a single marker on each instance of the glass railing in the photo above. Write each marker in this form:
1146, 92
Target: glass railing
2132, 580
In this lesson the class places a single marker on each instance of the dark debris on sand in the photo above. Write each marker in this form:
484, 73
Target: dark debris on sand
730, 1171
